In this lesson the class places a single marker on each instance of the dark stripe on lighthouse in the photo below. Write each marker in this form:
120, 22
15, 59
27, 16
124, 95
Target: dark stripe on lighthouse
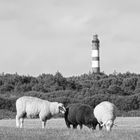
95, 58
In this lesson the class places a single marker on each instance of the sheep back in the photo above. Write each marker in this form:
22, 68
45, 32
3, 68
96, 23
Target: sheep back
32, 107
105, 111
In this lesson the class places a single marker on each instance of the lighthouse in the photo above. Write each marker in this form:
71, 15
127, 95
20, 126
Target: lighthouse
95, 54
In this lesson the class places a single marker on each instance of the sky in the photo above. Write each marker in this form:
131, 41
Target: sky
46, 36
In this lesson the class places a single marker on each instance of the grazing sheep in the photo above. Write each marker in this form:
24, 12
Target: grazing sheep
80, 114
30, 107
105, 114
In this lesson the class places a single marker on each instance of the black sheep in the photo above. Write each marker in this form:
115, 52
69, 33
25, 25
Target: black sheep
80, 114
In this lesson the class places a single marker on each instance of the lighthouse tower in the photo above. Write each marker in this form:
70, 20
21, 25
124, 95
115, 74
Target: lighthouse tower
95, 55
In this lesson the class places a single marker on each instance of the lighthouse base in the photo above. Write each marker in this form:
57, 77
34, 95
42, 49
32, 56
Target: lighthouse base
96, 70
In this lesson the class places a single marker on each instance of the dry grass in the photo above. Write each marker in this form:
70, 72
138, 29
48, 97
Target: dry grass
127, 129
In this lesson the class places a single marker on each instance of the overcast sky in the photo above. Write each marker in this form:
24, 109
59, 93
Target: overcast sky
46, 36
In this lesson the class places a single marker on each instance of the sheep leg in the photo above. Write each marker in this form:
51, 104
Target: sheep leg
74, 126
68, 124
43, 124
21, 122
17, 121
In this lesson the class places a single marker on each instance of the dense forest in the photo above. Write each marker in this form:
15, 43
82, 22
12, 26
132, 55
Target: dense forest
121, 89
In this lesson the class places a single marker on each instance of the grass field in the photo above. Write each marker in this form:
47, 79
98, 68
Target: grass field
127, 129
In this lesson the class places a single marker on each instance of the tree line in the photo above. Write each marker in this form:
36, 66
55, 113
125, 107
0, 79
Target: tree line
123, 89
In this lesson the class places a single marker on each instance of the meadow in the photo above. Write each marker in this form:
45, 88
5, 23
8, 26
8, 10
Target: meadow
128, 128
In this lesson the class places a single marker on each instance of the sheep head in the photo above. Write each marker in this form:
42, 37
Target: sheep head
61, 108
108, 125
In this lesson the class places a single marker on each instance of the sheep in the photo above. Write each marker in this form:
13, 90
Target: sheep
80, 114
30, 107
105, 113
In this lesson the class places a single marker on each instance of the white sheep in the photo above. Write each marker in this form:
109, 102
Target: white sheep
29, 107
105, 113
